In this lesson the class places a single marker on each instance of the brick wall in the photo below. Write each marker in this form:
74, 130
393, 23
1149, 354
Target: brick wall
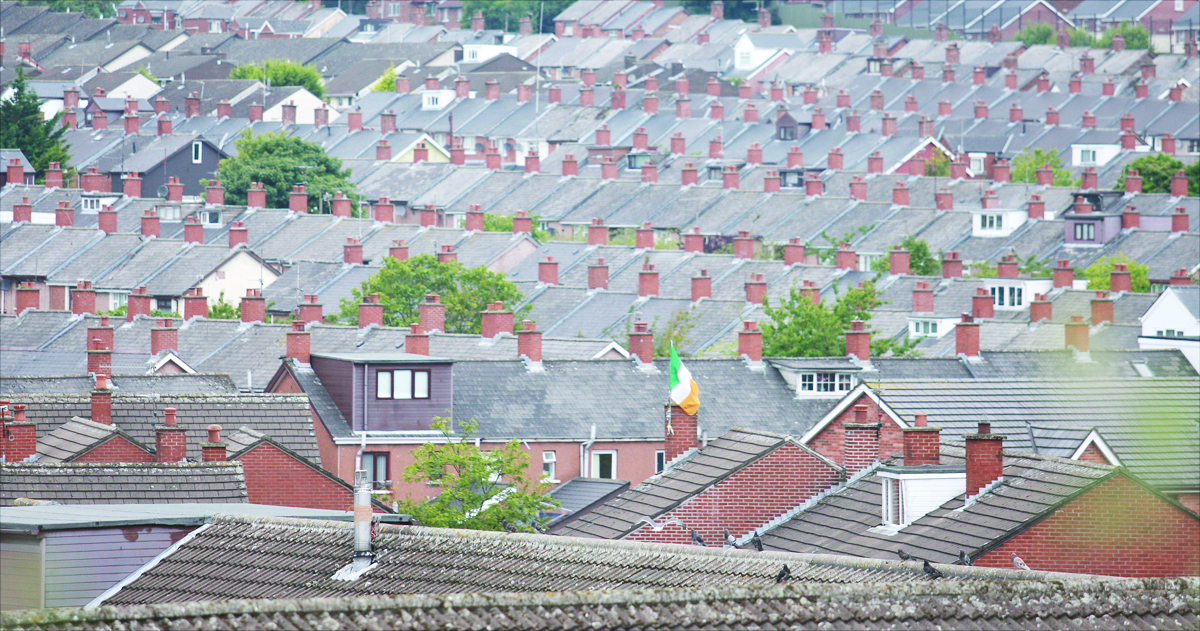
276, 478
1116, 529
116, 449
830, 442
746, 500
1190, 500
1092, 454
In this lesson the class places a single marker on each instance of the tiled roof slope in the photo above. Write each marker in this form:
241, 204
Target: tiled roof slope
1150, 424
718, 460
252, 557
1083, 604
75, 437
284, 417
126, 384
127, 483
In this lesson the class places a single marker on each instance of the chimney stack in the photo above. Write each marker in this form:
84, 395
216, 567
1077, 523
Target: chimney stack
858, 341
1179, 220
756, 289
1102, 308
522, 223
150, 224
529, 342
641, 343
683, 106
985, 460
238, 234
21, 435
1063, 275
447, 254
138, 304
548, 271
99, 348
952, 266
83, 298
648, 281
309, 310
102, 401
253, 307
598, 275
809, 289
28, 297
352, 252
743, 245
364, 554
432, 314
701, 286
383, 211
966, 337
597, 233
1120, 280
1040, 309
496, 320
750, 342
64, 215
170, 440
922, 298
416, 341
164, 337
213, 450
921, 443
845, 258
195, 304
861, 442
793, 252
370, 312
398, 250
1076, 335
214, 193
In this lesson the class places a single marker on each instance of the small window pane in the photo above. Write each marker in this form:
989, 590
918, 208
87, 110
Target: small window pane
806, 382
383, 385
843, 382
403, 384
421, 384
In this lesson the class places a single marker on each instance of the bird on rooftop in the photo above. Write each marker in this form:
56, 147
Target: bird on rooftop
696, 539
756, 542
963, 559
538, 527
784, 574
932, 571
508, 526
658, 527
1018, 562
730, 542
904, 556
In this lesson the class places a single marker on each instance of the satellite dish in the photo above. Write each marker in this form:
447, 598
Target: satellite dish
162, 190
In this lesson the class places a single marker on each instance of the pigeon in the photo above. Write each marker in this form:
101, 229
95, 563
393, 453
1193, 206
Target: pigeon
508, 526
932, 571
730, 542
783, 575
696, 539
756, 542
903, 555
963, 559
1018, 562
538, 527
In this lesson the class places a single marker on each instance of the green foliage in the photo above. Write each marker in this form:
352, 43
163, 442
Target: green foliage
499, 14
146, 73
1098, 277
280, 162
1081, 37
1137, 37
20, 128
282, 72
465, 291
387, 81
1155, 170
1026, 165
921, 260
736, 81
675, 331
1192, 171
500, 223
937, 166
1036, 34
1030, 266
798, 328
479, 488
223, 310
120, 312
93, 8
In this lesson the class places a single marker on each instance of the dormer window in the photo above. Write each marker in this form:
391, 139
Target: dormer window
637, 160
910, 494
786, 132
824, 383
922, 328
1085, 231
715, 173
1008, 296
91, 204
991, 222
402, 384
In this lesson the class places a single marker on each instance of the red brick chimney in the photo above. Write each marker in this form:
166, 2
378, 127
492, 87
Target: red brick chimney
648, 281
921, 443
150, 224
1179, 220
131, 185
529, 341
858, 188
922, 298
944, 199
858, 341
352, 252
689, 176
1007, 267
195, 304
809, 289
845, 258
1119, 280
458, 155
750, 342
795, 159
1036, 208
164, 337
83, 298
54, 178
650, 173
1040, 308
716, 148
952, 266
644, 237
598, 275
966, 337
174, 189
597, 233
370, 312
985, 461
213, 450
416, 341
1102, 308
23, 211
522, 222
814, 187
1064, 275
1076, 335
1180, 278
433, 314
447, 254
900, 194
756, 289
793, 252
384, 211
743, 245
641, 342
138, 304
398, 250
102, 400
253, 307
20, 439
701, 286
170, 440
214, 193
341, 205
64, 215
898, 261
982, 304
28, 297
256, 196
238, 234
309, 310
387, 123
383, 150
496, 320
861, 442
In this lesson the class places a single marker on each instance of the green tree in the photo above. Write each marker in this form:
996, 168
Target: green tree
479, 488
799, 328
1025, 167
504, 223
387, 81
1137, 37
21, 127
92, 8
1030, 266
465, 291
1192, 171
282, 72
280, 162
146, 73
937, 165
921, 260
676, 330
223, 310
1155, 170
1036, 34
1081, 37
1098, 273
507, 14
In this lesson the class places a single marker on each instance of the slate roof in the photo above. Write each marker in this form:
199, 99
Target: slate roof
303, 555
682, 481
76, 437
579, 495
126, 483
1082, 604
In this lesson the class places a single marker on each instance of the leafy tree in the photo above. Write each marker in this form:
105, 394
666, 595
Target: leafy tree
937, 165
499, 14
1155, 170
280, 162
675, 330
1081, 37
798, 328
1098, 273
21, 127
282, 72
223, 310
92, 8
120, 312
479, 488
387, 81
501, 223
465, 291
1036, 34
734, 10
1137, 37
1193, 175
1025, 167
1030, 266
921, 260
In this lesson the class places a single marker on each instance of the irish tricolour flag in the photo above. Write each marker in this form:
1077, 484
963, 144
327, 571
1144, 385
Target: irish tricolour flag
684, 391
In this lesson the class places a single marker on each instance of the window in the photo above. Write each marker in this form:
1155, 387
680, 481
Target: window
376, 466
991, 222
393, 9
1085, 231
1008, 296
660, 461
91, 204
214, 26
197, 152
821, 382
473, 54
893, 502
1179, 6
402, 384
604, 465
715, 173
1087, 156
873, 66
433, 101
786, 132
743, 59
977, 164
210, 217
162, 304
549, 460
1169, 333
637, 160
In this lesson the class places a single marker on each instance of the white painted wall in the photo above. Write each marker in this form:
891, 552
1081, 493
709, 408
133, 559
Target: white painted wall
241, 272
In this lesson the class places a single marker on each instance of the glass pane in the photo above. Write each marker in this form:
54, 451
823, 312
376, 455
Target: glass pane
421, 384
403, 388
383, 385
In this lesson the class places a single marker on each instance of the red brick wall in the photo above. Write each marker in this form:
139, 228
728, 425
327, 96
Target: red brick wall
1190, 500
1092, 454
1116, 529
116, 449
276, 478
830, 441
746, 500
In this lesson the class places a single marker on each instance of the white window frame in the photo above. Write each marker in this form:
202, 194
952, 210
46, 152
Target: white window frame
1087, 156
596, 457
91, 204
1087, 229
991, 222
197, 152
403, 384
370, 463
825, 383
893, 502
549, 465
660, 460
